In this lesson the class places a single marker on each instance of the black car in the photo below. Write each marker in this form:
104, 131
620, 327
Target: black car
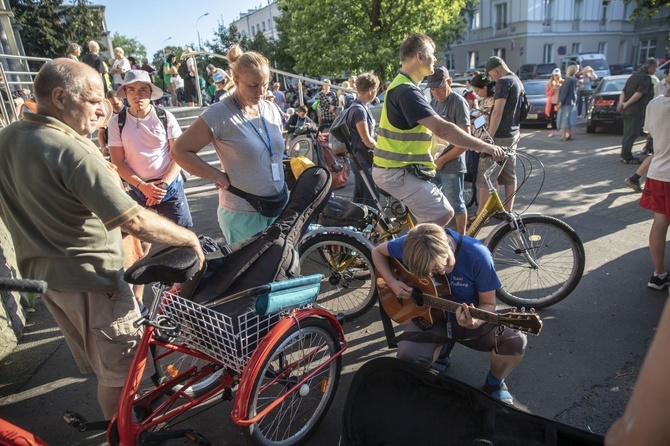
535, 92
536, 71
602, 107
621, 69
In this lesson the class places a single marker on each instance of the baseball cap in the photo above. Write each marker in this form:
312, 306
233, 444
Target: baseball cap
556, 71
435, 80
493, 62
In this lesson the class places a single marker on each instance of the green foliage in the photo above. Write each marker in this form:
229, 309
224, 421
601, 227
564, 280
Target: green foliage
48, 26
645, 9
331, 37
131, 47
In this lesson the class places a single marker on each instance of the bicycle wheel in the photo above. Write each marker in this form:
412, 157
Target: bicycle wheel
306, 346
469, 194
174, 363
556, 249
348, 286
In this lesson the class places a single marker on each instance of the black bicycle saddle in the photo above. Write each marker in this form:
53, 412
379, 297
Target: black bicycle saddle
172, 264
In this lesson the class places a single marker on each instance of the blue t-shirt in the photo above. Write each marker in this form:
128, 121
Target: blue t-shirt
473, 273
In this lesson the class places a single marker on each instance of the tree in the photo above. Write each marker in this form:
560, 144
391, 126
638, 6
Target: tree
48, 27
131, 46
361, 35
645, 9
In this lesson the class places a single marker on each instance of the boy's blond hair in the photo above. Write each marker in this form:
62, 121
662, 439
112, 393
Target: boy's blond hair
426, 245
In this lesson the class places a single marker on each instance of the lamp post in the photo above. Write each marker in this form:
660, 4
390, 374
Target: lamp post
163, 45
198, 31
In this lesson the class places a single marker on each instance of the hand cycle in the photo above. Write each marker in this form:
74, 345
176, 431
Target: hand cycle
10, 434
285, 364
539, 259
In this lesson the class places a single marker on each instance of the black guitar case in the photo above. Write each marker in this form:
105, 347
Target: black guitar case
395, 403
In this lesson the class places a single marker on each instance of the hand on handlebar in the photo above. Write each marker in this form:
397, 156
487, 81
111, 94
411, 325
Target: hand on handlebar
498, 153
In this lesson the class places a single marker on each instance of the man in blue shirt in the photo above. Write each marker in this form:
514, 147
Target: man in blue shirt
429, 249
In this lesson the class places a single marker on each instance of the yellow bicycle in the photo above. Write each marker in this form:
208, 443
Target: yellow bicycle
539, 259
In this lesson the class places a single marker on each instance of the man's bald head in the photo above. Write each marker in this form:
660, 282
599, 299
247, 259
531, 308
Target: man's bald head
72, 76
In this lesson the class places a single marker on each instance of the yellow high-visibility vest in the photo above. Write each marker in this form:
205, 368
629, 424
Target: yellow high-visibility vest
397, 147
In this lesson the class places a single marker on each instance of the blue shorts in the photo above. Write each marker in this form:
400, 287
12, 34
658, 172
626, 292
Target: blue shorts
452, 188
237, 226
173, 207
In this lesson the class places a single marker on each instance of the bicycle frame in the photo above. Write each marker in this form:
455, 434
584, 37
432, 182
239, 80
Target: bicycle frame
493, 204
129, 431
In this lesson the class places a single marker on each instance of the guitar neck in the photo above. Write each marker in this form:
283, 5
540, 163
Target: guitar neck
450, 306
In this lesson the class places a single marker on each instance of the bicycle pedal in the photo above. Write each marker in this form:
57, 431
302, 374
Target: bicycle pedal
198, 439
75, 420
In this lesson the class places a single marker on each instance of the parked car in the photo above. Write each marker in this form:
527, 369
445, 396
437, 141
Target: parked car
536, 71
621, 69
535, 92
602, 107
376, 107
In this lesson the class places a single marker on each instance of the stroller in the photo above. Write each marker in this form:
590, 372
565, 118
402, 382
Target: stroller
314, 145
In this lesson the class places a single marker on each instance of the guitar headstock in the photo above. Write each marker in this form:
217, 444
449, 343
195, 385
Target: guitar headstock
522, 321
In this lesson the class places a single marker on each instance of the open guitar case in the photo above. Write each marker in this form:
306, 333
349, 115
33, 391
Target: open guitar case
395, 403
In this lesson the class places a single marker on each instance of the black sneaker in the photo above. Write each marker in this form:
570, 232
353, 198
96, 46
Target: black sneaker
635, 185
657, 283
500, 392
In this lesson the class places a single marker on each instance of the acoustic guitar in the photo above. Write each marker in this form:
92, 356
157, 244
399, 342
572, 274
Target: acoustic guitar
430, 300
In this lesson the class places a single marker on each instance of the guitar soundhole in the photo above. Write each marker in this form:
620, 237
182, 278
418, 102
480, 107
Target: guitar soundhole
417, 296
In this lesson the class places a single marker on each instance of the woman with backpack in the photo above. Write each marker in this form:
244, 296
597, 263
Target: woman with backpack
362, 130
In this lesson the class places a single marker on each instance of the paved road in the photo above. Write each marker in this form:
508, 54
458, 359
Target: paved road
579, 370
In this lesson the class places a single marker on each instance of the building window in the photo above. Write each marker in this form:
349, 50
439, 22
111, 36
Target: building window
603, 16
263, 26
500, 52
579, 7
548, 7
473, 59
474, 20
450, 62
647, 50
576, 48
546, 53
501, 16
602, 47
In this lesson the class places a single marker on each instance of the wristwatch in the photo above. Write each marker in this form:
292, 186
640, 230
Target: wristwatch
165, 185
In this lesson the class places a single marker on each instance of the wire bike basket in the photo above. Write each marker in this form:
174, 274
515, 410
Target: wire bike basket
230, 329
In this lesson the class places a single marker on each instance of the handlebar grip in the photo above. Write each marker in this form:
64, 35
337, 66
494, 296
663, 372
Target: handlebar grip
23, 285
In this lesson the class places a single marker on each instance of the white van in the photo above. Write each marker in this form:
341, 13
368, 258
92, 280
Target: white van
596, 61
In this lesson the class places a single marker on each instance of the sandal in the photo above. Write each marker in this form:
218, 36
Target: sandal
630, 161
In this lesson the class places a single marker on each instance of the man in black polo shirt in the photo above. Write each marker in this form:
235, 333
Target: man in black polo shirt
633, 101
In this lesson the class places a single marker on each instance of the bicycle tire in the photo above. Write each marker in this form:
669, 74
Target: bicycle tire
178, 362
349, 286
560, 258
469, 194
305, 346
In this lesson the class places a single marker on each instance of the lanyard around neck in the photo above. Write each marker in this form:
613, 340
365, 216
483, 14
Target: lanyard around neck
268, 143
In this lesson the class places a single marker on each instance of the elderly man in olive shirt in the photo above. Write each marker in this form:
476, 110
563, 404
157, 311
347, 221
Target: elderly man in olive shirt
65, 211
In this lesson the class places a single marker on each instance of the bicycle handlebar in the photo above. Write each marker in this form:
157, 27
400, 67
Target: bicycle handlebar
23, 285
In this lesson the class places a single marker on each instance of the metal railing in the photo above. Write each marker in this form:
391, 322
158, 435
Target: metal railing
11, 79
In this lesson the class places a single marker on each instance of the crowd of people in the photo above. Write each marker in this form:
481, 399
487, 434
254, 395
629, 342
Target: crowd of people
88, 218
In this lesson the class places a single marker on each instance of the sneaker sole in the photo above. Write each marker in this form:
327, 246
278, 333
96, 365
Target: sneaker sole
657, 287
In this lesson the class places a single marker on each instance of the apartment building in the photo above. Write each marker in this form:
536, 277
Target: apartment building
542, 31
259, 20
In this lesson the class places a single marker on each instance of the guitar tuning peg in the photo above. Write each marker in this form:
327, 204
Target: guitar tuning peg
514, 309
523, 309
532, 310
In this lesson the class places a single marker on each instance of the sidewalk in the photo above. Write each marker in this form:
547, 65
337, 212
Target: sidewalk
593, 341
